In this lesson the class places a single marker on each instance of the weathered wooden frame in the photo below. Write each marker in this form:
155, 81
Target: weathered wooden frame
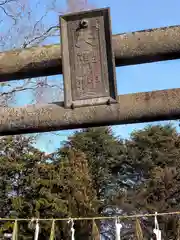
108, 74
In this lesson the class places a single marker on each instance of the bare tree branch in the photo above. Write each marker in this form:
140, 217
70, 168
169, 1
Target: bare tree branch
41, 37
7, 1
8, 14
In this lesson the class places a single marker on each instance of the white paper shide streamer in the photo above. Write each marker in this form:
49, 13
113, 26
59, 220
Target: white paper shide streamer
72, 228
156, 229
36, 234
118, 226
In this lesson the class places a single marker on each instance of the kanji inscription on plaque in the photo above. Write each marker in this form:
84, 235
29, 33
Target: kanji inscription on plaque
87, 59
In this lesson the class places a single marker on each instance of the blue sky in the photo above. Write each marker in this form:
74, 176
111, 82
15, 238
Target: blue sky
127, 16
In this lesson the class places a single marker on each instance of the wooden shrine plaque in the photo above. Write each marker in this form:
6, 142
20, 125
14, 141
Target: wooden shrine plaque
88, 59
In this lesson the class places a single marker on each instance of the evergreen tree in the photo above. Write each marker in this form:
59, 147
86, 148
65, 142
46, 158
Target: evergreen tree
93, 173
154, 157
103, 151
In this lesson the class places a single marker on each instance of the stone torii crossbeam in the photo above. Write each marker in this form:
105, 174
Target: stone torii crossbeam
127, 48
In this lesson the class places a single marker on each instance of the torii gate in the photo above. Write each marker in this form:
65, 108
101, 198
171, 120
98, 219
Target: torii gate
88, 55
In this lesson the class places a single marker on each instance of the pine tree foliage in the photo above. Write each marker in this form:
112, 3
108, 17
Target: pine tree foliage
93, 173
